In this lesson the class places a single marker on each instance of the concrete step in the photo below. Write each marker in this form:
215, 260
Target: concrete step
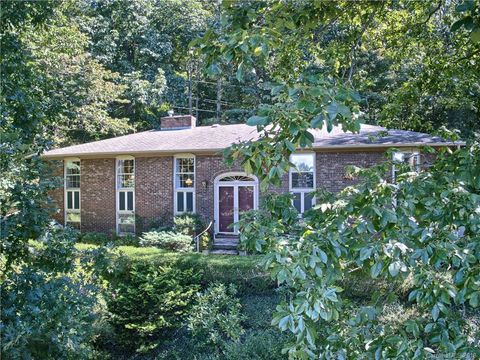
223, 252
225, 244
224, 247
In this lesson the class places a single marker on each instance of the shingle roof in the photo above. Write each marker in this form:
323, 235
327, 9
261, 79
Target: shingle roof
217, 137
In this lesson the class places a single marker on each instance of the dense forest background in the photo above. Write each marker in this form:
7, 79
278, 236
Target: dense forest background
115, 67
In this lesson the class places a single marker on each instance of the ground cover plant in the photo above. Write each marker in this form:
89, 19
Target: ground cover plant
167, 240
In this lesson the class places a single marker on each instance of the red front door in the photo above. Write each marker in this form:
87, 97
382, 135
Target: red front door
226, 208
233, 201
245, 198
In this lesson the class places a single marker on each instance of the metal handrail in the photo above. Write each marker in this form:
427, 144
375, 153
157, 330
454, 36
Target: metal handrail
197, 237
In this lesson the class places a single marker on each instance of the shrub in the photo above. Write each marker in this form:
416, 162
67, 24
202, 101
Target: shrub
100, 239
94, 238
167, 240
188, 224
205, 241
126, 240
48, 310
147, 300
217, 315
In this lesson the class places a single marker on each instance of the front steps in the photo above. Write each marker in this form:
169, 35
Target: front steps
225, 245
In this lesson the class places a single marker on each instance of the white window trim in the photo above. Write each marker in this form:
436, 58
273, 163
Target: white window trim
118, 190
184, 190
303, 191
411, 153
66, 190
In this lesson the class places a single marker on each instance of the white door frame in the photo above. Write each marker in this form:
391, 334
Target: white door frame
235, 184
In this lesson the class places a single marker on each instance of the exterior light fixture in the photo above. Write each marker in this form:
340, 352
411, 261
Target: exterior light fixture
204, 184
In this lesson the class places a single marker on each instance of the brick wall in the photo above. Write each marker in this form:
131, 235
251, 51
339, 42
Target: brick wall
97, 188
154, 186
153, 191
330, 167
178, 122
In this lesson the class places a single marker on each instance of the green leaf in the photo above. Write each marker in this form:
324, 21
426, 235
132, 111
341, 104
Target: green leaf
317, 121
240, 72
475, 35
435, 312
394, 268
365, 253
332, 110
344, 110
283, 323
277, 90
257, 120
474, 299
214, 69
376, 269
457, 25
323, 256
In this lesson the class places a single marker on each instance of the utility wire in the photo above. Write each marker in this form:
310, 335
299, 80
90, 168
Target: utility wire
186, 108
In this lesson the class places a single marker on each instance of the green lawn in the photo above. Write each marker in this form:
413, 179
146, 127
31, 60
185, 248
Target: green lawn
243, 271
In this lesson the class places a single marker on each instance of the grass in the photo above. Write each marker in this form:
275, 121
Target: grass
243, 271
161, 256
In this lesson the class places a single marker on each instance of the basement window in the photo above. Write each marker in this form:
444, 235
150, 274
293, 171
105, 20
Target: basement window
184, 184
125, 195
72, 193
302, 180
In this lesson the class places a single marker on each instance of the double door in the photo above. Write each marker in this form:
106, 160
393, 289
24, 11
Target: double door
233, 200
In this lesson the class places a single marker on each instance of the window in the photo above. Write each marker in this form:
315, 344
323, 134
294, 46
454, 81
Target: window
184, 183
302, 181
72, 193
412, 159
125, 195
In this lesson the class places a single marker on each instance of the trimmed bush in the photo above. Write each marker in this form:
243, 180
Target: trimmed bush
167, 240
100, 239
94, 238
126, 240
147, 302
217, 316
188, 224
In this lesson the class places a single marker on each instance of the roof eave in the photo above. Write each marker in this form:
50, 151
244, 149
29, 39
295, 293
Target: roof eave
218, 150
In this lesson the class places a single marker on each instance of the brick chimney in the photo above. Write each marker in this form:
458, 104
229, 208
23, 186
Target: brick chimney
177, 122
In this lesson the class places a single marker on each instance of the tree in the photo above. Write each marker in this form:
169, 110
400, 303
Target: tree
26, 110
420, 250
47, 308
146, 42
413, 68
83, 91
425, 226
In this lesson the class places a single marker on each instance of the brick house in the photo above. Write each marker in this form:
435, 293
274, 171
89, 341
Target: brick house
116, 184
